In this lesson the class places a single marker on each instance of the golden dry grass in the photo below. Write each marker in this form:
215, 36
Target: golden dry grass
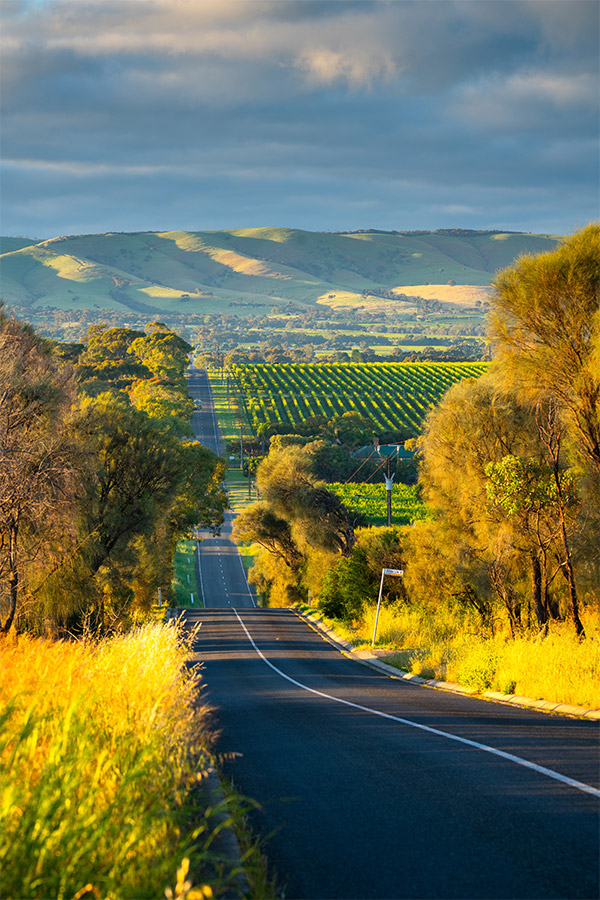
102, 747
559, 667
459, 294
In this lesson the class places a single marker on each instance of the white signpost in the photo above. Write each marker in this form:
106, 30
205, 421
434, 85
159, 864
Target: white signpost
384, 572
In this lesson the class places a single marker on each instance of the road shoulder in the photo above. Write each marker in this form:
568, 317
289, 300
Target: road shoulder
368, 658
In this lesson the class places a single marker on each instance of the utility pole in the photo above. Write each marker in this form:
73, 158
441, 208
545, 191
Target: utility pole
389, 483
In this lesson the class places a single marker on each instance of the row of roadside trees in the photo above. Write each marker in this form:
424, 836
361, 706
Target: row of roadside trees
99, 476
509, 469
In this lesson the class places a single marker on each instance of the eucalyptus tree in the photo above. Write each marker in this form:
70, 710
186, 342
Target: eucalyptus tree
142, 481
39, 463
476, 427
258, 524
106, 359
163, 352
317, 518
301, 527
545, 327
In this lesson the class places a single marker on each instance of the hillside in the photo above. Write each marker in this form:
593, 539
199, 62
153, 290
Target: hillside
253, 270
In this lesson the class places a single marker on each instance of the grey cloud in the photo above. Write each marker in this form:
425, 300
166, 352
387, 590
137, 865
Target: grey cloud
432, 42
173, 114
319, 202
529, 102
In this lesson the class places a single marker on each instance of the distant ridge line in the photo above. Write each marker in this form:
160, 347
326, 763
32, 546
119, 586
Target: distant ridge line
449, 231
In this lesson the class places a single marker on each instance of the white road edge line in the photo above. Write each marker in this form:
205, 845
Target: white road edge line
542, 770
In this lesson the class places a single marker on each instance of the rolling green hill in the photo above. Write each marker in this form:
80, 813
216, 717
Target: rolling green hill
8, 244
251, 270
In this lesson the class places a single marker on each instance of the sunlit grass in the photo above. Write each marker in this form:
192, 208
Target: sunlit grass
226, 409
185, 582
155, 290
237, 492
370, 500
449, 647
102, 748
236, 484
335, 298
559, 667
460, 294
248, 553
69, 267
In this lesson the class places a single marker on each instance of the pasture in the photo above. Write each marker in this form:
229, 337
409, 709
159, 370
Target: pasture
252, 270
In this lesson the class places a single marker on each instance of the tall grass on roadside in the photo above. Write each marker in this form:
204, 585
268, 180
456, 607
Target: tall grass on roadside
185, 583
100, 748
447, 645
559, 667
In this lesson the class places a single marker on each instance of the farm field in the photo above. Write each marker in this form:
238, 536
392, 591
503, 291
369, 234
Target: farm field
394, 396
370, 501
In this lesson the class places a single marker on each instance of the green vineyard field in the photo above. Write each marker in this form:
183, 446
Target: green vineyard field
370, 500
392, 395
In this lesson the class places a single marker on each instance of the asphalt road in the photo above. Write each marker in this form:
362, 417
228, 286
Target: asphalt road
204, 421
365, 791
221, 576
372, 787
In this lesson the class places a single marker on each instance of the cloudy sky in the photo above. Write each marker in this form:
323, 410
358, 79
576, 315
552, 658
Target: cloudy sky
131, 115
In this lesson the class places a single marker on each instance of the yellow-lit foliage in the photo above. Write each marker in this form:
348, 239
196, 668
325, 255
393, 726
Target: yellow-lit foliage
558, 668
273, 579
100, 746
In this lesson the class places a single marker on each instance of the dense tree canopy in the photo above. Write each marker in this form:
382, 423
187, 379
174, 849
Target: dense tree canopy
96, 486
502, 456
545, 325
39, 465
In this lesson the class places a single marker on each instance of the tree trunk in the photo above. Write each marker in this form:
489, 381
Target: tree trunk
551, 437
13, 578
508, 597
513, 606
540, 610
567, 568
567, 565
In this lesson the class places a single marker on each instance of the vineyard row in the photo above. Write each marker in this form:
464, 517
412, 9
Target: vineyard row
393, 396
